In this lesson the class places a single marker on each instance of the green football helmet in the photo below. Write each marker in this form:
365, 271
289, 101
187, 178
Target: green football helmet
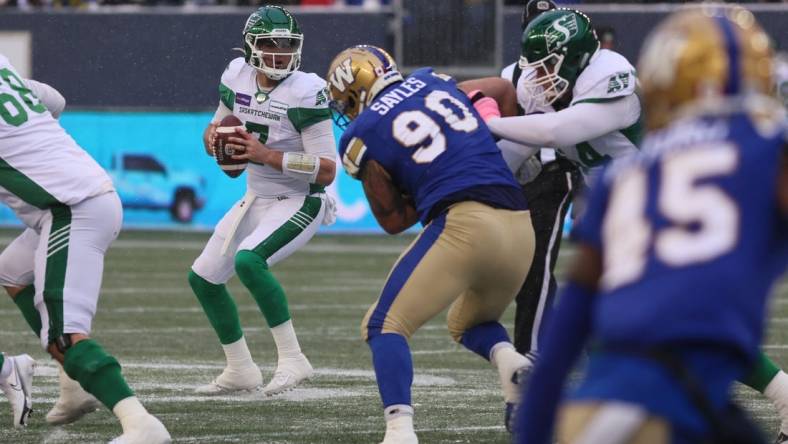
273, 33
556, 47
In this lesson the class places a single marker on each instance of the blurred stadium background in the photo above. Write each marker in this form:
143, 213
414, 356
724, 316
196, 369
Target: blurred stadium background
141, 82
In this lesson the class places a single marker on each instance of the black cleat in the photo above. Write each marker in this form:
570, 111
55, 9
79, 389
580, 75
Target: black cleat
509, 416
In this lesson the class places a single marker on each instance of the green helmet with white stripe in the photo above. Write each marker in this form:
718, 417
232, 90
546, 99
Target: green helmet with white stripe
272, 42
556, 47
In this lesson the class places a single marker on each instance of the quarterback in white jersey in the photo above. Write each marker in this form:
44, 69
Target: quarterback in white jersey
289, 142
57, 189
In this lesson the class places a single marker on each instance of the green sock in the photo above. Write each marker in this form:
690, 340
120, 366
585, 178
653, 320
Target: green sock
762, 374
2, 360
24, 300
266, 290
97, 372
220, 308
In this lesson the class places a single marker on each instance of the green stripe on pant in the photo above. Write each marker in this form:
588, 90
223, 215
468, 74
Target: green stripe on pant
290, 229
56, 264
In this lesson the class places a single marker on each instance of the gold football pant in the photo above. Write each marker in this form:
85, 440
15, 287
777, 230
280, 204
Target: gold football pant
470, 258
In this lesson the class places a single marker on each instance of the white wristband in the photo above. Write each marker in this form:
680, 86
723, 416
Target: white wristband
301, 166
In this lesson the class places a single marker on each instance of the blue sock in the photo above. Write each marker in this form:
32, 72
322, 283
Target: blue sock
481, 338
393, 368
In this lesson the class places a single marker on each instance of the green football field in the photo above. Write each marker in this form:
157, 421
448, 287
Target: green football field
149, 319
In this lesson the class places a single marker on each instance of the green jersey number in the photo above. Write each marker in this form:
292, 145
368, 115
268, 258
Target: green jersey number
262, 130
14, 116
11, 110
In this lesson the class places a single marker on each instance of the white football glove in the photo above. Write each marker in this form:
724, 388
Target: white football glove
330, 216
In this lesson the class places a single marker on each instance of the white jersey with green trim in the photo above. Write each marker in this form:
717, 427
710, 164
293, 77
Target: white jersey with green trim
609, 76
276, 118
40, 164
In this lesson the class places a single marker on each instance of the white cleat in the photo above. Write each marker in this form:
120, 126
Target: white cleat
513, 369
147, 430
394, 436
289, 373
233, 380
74, 402
18, 388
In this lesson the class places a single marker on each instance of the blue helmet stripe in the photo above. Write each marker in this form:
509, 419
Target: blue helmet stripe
732, 48
379, 55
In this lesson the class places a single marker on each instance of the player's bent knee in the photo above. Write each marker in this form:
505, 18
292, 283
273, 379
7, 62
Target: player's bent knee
13, 291
200, 284
371, 330
248, 263
196, 281
456, 328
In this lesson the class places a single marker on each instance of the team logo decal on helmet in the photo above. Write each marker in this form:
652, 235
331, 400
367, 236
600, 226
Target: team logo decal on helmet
342, 76
560, 31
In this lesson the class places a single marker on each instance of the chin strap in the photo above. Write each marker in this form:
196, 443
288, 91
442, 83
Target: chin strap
301, 166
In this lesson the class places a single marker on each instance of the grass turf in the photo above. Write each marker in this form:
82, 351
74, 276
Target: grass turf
149, 319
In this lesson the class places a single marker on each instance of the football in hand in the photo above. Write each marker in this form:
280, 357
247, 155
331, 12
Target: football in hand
223, 150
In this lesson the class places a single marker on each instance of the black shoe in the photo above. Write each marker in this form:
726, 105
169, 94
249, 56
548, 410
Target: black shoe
519, 377
509, 416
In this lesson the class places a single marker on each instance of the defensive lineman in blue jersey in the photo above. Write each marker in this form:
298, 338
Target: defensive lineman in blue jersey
407, 115
424, 154
678, 249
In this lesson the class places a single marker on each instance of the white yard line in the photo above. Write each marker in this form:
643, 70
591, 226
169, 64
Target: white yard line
361, 308
438, 352
420, 379
317, 247
295, 395
460, 429
46, 369
62, 435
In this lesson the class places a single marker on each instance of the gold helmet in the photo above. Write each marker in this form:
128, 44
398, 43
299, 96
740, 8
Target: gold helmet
700, 54
355, 77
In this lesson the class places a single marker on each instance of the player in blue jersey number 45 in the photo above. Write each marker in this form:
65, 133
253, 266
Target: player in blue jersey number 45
678, 249
424, 155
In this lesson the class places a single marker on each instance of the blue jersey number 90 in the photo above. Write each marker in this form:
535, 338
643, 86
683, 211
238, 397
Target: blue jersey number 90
417, 129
